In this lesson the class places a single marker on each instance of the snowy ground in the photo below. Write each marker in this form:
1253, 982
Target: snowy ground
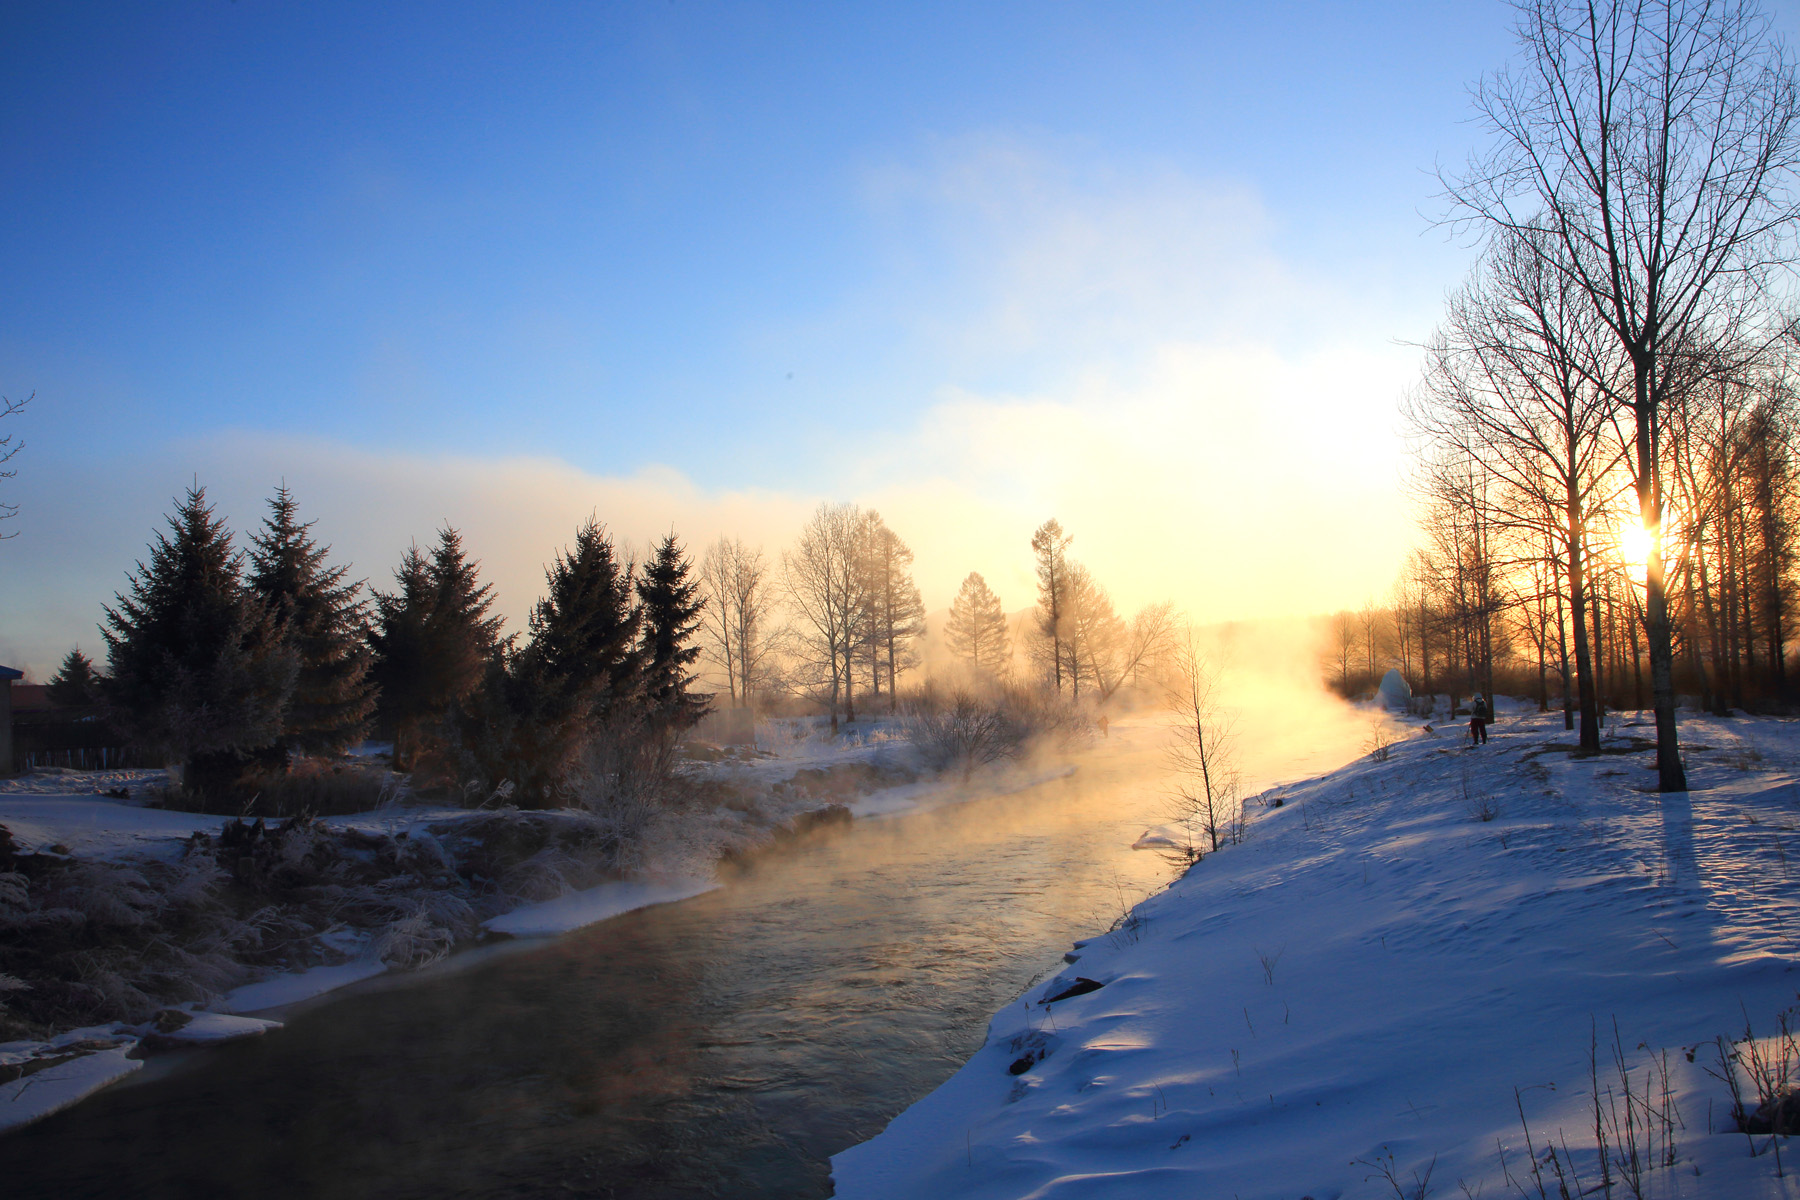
1361, 999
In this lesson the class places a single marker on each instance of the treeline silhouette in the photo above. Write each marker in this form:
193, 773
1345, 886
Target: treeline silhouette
237, 663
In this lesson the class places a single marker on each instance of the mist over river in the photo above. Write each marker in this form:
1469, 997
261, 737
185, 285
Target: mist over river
722, 1046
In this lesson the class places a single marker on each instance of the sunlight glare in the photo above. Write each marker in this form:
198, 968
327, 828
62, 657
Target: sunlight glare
1634, 544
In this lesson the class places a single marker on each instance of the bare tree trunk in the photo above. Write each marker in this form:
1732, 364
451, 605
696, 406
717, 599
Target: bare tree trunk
1562, 651
1671, 775
1599, 657
1585, 679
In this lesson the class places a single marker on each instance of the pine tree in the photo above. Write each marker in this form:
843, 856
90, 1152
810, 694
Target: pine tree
76, 684
464, 633
324, 619
584, 631
398, 643
433, 640
976, 629
198, 667
579, 670
670, 606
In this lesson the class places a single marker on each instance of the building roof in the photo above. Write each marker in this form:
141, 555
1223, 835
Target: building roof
9, 673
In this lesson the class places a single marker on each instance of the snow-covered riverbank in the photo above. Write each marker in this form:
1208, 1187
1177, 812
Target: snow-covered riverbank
1361, 999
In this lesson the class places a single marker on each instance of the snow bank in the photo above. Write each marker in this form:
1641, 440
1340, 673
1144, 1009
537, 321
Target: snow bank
89, 827
211, 1028
295, 986
577, 909
96, 828
1365, 994
66, 1081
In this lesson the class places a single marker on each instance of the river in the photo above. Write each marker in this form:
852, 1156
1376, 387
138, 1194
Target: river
723, 1046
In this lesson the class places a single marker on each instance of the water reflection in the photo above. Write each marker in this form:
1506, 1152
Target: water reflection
726, 1045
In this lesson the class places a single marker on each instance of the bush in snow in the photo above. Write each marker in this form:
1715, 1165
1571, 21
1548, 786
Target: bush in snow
964, 731
967, 728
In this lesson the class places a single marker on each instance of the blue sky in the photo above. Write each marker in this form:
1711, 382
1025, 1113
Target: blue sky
763, 253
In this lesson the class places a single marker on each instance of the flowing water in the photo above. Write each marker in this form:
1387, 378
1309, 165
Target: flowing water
723, 1046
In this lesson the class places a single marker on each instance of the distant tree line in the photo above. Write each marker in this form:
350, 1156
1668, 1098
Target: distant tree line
236, 663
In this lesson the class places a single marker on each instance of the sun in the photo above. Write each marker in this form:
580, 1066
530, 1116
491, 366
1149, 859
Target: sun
1634, 545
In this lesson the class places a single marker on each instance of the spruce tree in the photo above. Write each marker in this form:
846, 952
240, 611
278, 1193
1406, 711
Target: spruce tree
584, 631
463, 630
398, 642
670, 605
76, 684
531, 720
323, 618
433, 640
198, 667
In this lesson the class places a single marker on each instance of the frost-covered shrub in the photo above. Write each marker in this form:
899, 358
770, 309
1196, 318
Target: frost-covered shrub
968, 728
413, 941
965, 731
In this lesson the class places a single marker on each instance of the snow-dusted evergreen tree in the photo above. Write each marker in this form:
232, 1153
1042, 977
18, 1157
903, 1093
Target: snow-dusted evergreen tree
669, 606
198, 667
432, 640
76, 684
976, 629
323, 617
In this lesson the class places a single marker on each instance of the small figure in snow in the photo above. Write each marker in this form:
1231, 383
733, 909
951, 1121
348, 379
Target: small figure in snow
1103, 724
1479, 716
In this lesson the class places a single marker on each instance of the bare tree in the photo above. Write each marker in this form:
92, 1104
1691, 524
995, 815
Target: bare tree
1202, 750
1654, 143
737, 614
1091, 630
825, 581
1149, 641
1370, 620
976, 629
10, 444
1119, 651
895, 615
1343, 648
1401, 602
1521, 382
